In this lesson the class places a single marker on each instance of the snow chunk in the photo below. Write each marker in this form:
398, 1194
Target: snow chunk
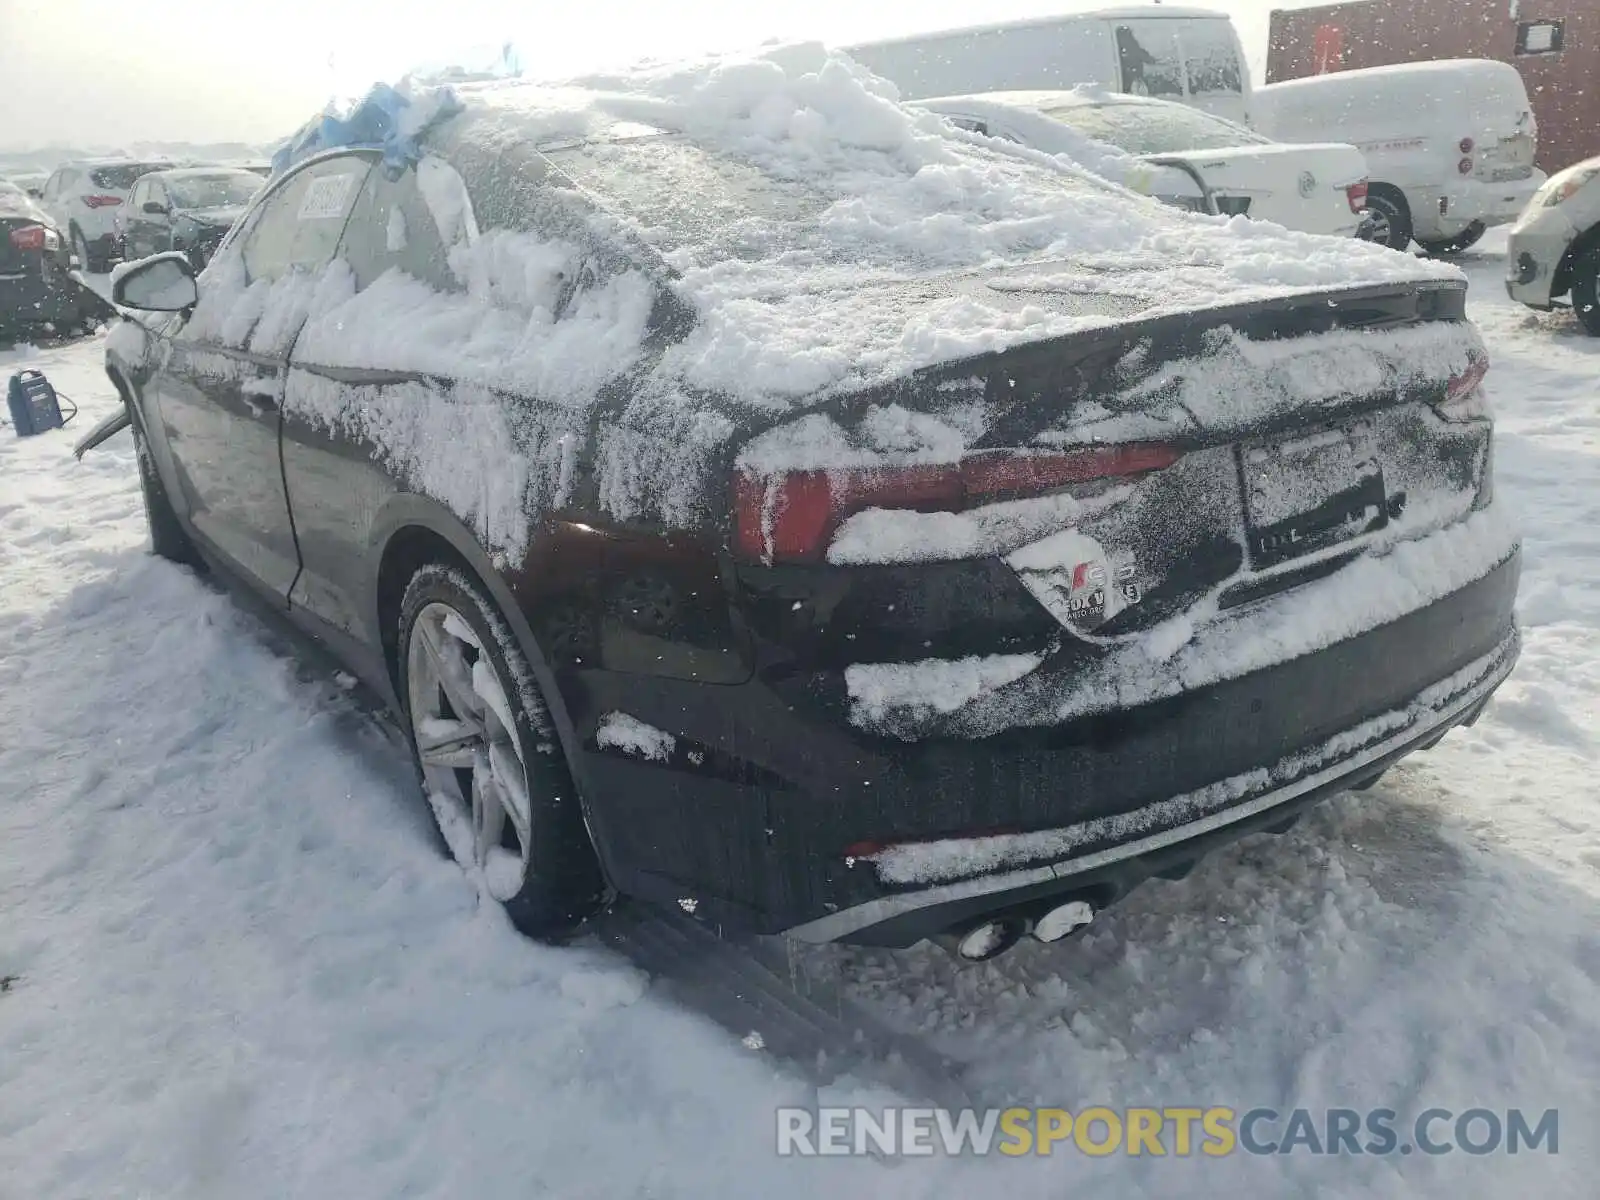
632, 736
1193, 650
933, 685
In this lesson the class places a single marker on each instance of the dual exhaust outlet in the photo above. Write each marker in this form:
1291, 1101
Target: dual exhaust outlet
990, 937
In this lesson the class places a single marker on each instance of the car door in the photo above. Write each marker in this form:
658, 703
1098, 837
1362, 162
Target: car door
220, 390
337, 481
134, 241
54, 191
158, 225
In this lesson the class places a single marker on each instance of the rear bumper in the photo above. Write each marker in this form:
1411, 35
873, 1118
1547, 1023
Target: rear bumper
41, 294
1449, 210
768, 812
1257, 800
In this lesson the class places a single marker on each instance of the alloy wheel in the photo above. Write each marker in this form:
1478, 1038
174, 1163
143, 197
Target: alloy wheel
471, 757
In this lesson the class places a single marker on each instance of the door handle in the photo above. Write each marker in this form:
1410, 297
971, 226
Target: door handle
260, 396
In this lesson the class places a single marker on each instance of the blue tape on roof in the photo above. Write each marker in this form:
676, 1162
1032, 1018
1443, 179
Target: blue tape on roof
384, 119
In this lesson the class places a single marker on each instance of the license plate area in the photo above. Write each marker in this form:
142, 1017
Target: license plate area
1311, 492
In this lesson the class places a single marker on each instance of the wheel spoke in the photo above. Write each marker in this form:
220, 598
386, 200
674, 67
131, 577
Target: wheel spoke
511, 786
488, 813
451, 744
451, 670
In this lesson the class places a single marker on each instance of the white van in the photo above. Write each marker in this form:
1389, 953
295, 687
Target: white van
1450, 145
1190, 55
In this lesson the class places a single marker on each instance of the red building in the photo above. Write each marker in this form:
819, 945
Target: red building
1555, 44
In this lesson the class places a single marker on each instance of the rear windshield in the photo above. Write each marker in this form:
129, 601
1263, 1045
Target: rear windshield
680, 195
122, 176
226, 189
1154, 128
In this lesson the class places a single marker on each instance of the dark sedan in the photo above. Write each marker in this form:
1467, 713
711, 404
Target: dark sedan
37, 287
187, 209
821, 532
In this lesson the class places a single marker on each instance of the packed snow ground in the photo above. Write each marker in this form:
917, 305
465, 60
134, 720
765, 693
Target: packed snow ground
234, 964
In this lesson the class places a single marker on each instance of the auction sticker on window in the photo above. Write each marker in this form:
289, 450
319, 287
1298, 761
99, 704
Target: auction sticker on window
326, 197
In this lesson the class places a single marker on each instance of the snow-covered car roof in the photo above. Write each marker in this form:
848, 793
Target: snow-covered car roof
829, 236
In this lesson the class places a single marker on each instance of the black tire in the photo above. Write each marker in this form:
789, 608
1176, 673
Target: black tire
1446, 246
562, 885
90, 260
1393, 215
168, 539
1586, 290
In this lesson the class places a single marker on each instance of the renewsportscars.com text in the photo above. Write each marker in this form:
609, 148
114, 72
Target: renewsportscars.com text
1180, 1132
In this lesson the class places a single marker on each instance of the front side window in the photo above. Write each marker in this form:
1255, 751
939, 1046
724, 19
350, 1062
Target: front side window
300, 224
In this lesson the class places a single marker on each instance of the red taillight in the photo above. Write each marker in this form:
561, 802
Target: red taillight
1465, 166
791, 515
31, 237
1466, 145
1357, 194
1468, 380
102, 201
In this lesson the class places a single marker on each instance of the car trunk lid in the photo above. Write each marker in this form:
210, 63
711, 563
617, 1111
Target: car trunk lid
1300, 186
1142, 479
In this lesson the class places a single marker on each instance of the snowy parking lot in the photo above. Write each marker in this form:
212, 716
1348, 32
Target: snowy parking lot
234, 964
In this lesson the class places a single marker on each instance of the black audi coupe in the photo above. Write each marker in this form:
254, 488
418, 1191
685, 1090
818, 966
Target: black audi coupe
838, 525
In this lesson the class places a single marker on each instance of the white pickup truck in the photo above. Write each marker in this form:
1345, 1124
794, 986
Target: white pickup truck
1449, 145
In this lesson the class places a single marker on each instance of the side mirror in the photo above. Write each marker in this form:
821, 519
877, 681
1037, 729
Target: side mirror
162, 283
155, 208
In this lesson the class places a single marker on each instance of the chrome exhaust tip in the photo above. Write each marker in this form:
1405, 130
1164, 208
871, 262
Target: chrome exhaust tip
984, 940
1064, 919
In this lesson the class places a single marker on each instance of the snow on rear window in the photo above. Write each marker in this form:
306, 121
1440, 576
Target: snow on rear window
123, 176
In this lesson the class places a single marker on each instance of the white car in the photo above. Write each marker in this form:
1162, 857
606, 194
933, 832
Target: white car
1450, 144
1554, 249
84, 198
1319, 188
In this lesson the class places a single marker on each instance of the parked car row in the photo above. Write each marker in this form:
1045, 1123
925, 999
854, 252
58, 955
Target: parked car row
1448, 148
98, 203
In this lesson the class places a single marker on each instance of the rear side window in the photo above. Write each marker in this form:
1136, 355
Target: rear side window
392, 227
1175, 60
1147, 55
122, 176
300, 224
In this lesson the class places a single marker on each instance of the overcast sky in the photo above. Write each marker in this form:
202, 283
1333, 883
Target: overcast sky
106, 72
